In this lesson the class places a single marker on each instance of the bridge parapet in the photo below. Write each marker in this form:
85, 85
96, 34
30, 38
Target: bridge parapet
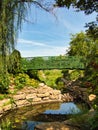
53, 62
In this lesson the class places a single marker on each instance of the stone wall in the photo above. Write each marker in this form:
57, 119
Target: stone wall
32, 96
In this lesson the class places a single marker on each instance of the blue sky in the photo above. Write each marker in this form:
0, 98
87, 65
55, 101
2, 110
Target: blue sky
49, 35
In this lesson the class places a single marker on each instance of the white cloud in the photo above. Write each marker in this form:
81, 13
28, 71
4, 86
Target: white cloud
33, 43
53, 51
47, 44
69, 25
45, 33
71, 20
40, 49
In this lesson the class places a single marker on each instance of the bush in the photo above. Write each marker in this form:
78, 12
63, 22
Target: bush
32, 82
14, 63
33, 74
6, 125
22, 80
94, 121
2, 96
75, 74
49, 77
4, 83
81, 120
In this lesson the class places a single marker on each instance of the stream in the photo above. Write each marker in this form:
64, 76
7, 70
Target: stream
27, 117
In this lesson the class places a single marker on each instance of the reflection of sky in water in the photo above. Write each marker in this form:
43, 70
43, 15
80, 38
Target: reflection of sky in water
29, 125
65, 108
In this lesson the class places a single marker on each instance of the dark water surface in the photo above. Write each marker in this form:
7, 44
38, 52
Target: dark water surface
27, 117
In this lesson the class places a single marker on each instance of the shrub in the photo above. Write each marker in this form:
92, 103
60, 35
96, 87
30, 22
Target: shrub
14, 63
22, 80
75, 74
33, 83
94, 121
4, 83
2, 97
81, 120
49, 77
6, 125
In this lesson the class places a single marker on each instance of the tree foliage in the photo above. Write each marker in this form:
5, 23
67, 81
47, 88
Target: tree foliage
88, 7
80, 45
92, 30
14, 64
11, 15
49, 77
83, 44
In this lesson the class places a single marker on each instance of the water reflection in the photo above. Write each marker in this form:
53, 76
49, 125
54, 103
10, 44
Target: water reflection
27, 117
65, 108
29, 125
59, 113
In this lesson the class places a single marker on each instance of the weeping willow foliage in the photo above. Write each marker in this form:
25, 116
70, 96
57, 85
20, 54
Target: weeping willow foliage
11, 15
12, 12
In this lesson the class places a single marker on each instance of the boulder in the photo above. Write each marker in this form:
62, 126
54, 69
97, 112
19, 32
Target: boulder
31, 96
19, 97
54, 126
92, 97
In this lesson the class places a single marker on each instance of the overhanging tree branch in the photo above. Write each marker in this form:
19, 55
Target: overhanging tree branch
38, 3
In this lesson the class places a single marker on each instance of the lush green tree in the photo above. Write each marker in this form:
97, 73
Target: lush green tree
88, 6
14, 63
80, 45
92, 30
11, 15
83, 45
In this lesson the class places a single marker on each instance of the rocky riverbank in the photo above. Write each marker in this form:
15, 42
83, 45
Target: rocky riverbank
31, 96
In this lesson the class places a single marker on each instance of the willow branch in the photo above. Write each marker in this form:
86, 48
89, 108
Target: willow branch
38, 4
